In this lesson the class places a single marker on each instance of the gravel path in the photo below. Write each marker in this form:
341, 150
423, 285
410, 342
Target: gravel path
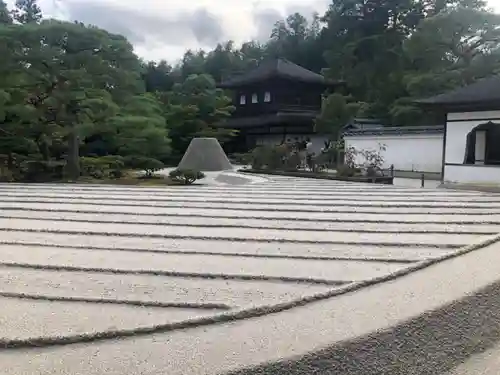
151, 288
240, 233
482, 202
263, 249
198, 264
24, 319
241, 246
385, 207
374, 215
254, 223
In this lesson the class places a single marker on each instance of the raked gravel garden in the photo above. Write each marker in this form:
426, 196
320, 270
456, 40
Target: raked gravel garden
85, 264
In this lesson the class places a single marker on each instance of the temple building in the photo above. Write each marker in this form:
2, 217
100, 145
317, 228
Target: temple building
276, 101
471, 152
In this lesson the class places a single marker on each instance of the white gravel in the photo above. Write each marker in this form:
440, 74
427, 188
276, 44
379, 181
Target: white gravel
251, 191
244, 248
134, 229
24, 319
255, 223
147, 288
265, 199
199, 264
398, 215
241, 233
241, 202
388, 208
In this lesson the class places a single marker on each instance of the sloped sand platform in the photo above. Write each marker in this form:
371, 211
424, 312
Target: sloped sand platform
206, 155
247, 284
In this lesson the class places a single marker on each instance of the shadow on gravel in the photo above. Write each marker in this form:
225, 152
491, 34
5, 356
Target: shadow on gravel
431, 344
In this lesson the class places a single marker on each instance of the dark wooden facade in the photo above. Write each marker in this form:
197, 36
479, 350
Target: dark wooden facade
276, 98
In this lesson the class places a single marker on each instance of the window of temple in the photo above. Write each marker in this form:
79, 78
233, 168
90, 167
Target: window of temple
267, 97
243, 100
255, 98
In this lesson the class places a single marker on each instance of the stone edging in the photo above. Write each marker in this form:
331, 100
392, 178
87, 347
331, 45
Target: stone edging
385, 180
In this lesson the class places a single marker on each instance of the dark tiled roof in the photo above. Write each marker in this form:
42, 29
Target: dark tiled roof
276, 68
486, 90
396, 130
361, 124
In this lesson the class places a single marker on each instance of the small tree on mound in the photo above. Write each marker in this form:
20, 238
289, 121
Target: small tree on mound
186, 176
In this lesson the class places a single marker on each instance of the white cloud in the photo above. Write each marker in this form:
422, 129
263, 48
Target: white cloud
164, 29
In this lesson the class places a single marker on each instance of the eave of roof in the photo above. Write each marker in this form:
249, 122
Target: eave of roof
277, 68
290, 118
484, 92
395, 130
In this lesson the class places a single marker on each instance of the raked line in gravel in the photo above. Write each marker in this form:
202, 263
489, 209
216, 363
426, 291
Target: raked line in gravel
78, 260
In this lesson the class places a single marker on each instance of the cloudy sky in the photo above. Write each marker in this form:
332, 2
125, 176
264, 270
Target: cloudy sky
164, 29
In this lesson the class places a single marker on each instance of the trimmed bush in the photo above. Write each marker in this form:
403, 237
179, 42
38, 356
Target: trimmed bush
148, 165
346, 171
42, 171
185, 176
102, 167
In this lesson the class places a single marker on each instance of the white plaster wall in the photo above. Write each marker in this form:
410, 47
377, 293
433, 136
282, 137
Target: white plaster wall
407, 152
472, 174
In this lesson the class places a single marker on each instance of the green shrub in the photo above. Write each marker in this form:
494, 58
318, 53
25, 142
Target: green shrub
6, 174
102, 167
148, 165
274, 157
346, 171
186, 176
241, 158
41, 171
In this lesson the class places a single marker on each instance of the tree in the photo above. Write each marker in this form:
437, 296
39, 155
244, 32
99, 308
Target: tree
157, 76
335, 113
461, 43
27, 11
297, 40
5, 17
195, 108
451, 49
72, 76
364, 43
140, 129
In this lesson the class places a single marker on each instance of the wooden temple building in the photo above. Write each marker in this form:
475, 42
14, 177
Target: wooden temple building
276, 101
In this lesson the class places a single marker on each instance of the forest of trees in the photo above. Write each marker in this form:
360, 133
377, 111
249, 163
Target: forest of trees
70, 91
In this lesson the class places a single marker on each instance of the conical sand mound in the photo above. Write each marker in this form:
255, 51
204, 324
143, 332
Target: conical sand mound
206, 155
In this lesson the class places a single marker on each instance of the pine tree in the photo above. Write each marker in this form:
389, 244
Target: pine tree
5, 18
27, 11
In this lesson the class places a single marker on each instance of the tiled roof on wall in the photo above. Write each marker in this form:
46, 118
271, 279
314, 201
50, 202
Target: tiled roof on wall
395, 130
486, 90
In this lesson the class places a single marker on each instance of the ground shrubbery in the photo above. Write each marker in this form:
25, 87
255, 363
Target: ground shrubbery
148, 165
18, 168
127, 170
105, 167
367, 163
185, 176
286, 158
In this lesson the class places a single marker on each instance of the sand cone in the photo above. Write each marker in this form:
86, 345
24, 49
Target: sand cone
205, 155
